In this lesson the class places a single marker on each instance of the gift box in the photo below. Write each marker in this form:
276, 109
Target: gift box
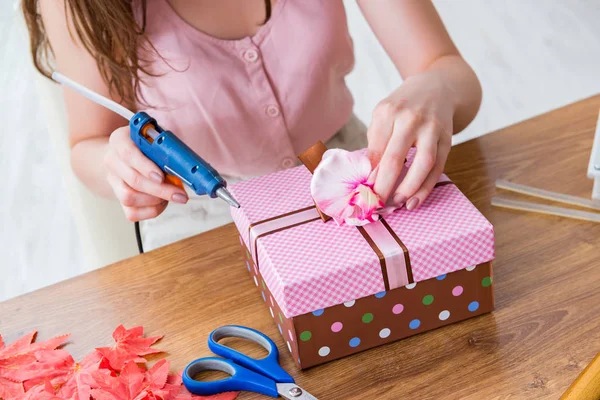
334, 290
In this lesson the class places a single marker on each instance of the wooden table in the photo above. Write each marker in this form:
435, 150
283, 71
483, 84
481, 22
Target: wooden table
544, 331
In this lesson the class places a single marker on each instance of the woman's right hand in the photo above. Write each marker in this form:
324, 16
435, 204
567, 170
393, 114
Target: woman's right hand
137, 182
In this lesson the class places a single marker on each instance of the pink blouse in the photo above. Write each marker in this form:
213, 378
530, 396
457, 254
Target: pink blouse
249, 106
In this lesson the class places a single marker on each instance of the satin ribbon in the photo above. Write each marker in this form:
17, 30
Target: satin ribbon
392, 253
279, 223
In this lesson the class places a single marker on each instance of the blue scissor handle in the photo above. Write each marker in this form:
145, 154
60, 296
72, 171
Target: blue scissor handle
268, 366
174, 157
241, 379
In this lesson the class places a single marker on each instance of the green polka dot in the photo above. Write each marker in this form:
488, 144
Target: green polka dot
368, 317
487, 281
305, 336
427, 300
264, 285
280, 318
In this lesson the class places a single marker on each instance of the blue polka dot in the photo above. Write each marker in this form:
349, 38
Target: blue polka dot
317, 313
441, 277
380, 295
414, 324
263, 295
473, 306
354, 342
280, 331
248, 265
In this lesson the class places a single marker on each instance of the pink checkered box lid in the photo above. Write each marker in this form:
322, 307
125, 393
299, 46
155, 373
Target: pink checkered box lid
318, 265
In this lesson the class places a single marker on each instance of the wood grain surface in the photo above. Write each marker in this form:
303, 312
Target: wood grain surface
545, 330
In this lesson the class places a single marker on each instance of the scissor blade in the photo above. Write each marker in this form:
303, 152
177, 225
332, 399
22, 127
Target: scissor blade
292, 392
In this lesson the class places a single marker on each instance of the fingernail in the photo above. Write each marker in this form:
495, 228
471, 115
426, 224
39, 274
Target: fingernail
156, 177
180, 198
399, 200
412, 203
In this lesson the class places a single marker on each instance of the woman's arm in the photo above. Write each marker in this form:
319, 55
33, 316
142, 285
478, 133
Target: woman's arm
440, 96
102, 155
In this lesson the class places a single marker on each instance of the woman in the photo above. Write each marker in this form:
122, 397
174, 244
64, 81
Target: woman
248, 85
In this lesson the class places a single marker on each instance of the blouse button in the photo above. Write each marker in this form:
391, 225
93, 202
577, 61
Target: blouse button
250, 55
273, 111
287, 162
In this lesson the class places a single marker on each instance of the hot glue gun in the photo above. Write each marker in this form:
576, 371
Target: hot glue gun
178, 161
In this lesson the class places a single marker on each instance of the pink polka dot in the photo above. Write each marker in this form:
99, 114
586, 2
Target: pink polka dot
457, 291
336, 326
398, 308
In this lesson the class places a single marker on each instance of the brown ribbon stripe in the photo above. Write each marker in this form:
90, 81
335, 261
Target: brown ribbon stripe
252, 225
404, 249
443, 183
276, 230
377, 251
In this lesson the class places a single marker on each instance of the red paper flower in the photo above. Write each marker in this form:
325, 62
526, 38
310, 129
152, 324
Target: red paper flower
38, 371
78, 382
130, 345
42, 392
20, 360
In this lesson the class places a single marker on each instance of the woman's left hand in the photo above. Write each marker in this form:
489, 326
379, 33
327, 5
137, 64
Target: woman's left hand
419, 113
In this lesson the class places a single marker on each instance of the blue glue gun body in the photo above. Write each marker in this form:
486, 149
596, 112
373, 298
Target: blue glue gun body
173, 156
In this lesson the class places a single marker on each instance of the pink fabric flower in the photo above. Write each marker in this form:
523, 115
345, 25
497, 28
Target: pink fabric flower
342, 187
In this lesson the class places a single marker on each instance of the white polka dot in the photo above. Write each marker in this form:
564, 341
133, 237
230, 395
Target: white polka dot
255, 281
444, 315
324, 351
347, 304
385, 332
272, 303
290, 335
272, 315
289, 347
411, 285
471, 268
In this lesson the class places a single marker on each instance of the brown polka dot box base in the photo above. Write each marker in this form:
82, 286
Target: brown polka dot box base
334, 332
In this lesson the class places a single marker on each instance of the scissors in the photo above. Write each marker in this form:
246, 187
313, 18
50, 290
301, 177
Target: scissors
264, 376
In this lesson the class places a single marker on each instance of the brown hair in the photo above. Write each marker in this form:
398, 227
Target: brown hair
109, 32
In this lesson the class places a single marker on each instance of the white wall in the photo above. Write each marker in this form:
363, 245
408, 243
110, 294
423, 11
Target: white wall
530, 55
38, 241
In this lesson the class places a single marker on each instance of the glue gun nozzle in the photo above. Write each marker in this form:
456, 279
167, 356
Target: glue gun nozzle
225, 195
